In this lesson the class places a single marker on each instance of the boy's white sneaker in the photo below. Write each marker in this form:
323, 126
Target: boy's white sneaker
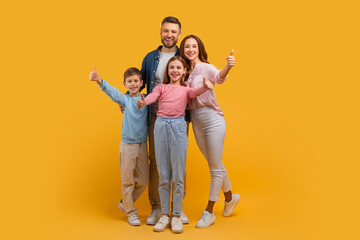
121, 206
230, 206
176, 225
133, 220
162, 224
184, 218
154, 217
206, 220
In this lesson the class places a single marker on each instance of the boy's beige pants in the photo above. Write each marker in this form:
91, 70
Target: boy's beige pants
134, 167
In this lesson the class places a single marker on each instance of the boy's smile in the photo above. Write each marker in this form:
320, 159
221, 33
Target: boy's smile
133, 84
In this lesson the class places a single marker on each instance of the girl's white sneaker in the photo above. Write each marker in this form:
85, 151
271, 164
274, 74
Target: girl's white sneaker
176, 225
162, 224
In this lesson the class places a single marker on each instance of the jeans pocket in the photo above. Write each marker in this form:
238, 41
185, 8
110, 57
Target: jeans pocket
182, 127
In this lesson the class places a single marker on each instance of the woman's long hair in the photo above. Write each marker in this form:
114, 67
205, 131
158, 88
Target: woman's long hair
202, 53
166, 75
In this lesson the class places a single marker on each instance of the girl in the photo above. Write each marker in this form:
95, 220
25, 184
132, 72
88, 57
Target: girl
209, 124
171, 139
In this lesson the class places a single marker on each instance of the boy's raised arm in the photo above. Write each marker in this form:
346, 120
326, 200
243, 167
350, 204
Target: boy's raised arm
112, 92
94, 76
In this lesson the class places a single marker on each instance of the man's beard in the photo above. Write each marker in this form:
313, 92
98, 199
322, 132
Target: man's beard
168, 46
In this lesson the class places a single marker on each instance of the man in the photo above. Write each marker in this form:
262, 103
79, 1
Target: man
153, 69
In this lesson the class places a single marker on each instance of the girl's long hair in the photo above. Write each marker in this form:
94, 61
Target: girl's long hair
166, 75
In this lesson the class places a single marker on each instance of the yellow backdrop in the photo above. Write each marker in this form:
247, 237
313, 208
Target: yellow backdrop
290, 106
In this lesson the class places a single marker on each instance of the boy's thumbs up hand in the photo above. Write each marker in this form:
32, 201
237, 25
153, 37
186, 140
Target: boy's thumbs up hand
141, 103
94, 76
231, 59
207, 84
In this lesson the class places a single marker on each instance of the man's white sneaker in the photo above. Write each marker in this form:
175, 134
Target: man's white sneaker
133, 220
176, 225
230, 206
206, 220
154, 217
162, 224
184, 218
121, 206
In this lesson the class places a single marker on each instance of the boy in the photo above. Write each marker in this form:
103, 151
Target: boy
133, 155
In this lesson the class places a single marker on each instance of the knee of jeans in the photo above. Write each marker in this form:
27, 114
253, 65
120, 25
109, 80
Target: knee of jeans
164, 181
178, 185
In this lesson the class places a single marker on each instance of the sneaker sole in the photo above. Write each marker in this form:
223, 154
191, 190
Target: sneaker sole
150, 224
185, 222
161, 229
232, 209
206, 225
136, 224
177, 231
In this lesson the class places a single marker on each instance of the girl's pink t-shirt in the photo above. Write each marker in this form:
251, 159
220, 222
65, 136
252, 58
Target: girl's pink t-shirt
195, 79
173, 98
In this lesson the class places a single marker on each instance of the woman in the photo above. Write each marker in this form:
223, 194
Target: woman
208, 123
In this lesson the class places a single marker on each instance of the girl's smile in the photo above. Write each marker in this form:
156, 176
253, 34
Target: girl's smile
176, 71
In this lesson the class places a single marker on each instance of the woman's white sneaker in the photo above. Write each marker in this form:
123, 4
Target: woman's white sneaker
230, 206
162, 224
176, 225
206, 220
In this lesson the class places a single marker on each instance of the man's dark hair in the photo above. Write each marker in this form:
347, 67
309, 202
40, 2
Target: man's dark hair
171, 20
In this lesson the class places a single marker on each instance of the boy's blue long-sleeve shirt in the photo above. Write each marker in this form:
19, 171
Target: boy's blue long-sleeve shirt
134, 123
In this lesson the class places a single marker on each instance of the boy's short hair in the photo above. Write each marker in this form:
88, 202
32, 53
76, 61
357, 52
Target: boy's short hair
171, 19
132, 71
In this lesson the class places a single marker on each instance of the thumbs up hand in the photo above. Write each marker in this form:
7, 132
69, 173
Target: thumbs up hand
141, 103
207, 84
231, 59
94, 76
